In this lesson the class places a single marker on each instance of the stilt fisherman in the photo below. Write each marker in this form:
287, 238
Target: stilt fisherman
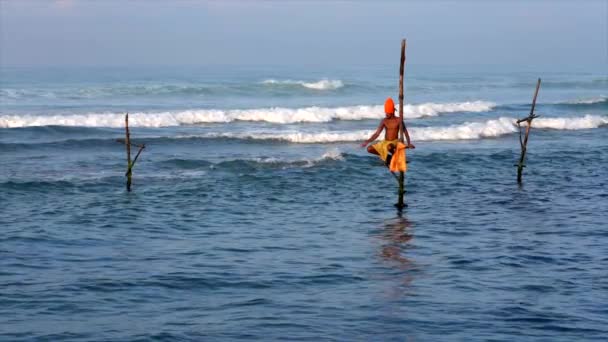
390, 124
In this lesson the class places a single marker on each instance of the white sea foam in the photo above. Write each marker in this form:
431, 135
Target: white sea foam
433, 109
291, 136
585, 122
324, 84
331, 154
590, 100
16, 94
467, 131
274, 115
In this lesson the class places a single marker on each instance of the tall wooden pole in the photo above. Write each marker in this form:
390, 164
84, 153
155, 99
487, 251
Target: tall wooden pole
401, 203
128, 145
524, 144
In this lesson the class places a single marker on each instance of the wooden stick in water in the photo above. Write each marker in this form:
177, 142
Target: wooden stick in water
524, 144
401, 72
128, 146
141, 148
401, 203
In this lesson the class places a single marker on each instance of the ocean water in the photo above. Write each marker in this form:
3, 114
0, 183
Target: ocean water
256, 215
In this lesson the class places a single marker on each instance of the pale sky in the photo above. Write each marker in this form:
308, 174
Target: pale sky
290, 32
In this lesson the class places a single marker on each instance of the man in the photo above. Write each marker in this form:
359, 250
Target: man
391, 123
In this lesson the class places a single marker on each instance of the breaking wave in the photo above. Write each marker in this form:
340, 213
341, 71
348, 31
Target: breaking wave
111, 91
273, 115
599, 99
467, 131
585, 122
324, 84
330, 155
588, 101
161, 89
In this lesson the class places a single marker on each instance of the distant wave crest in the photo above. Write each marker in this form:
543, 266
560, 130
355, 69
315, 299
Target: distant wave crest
588, 101
324, 84
162, 89
330, 155
467, 131
273, 115
108, 91
585, 122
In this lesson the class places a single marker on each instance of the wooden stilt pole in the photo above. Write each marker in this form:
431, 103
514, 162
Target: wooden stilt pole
128, 145
401, 203
524, 143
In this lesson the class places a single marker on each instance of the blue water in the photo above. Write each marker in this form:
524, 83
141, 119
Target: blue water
255, 214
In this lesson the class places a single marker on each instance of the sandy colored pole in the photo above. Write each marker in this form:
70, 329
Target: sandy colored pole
128, 145
401, 203
524, 145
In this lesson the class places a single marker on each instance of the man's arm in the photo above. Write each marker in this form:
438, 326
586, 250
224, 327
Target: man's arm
407, 136
375, 135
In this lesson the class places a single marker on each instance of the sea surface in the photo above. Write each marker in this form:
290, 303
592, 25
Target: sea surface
256, 215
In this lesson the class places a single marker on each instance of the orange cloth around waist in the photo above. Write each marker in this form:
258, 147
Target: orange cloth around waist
399, 163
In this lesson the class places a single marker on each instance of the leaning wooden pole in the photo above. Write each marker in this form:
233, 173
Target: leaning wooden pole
128, 145
401, 202
524, 143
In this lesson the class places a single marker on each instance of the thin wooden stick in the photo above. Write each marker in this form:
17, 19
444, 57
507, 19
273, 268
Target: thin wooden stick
401, 203
524, 145
128, 146
401, 72
521, 142
141, 148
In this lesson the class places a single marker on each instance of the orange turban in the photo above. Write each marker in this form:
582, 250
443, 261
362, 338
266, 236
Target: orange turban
389, 106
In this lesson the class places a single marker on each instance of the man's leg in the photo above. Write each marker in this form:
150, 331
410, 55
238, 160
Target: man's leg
389, 156
372, 150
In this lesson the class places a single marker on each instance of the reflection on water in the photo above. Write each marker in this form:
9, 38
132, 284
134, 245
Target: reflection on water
396, 237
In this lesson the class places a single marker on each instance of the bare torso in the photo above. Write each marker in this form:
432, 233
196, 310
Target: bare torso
391, 126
